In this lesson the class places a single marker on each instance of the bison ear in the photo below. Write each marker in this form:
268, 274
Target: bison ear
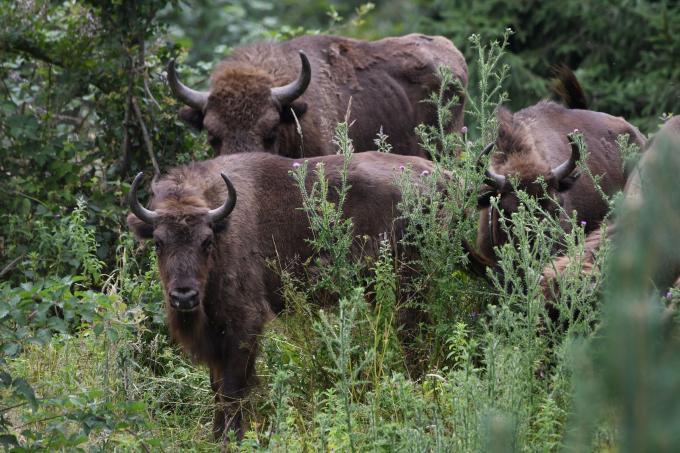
567, 182
290, 112
192, 117
141, 229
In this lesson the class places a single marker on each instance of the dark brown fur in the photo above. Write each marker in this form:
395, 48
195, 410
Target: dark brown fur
386, 81
534, 140
669, 271
568, 89
226, 263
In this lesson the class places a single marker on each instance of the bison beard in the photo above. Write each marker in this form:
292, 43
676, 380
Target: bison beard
260, 93
212, 251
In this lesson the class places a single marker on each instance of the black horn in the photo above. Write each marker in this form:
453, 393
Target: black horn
494, 179
565, 168
223, 211
288, 93
192, 98
137, 209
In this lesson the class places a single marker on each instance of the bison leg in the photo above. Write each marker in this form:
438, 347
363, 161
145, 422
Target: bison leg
231, 382
219, 417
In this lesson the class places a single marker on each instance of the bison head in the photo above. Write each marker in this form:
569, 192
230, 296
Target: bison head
184, 231
242, 112
547, 185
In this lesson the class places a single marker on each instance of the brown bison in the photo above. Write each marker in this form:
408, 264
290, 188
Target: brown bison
667, 271
259, 94
212, 250
533, 144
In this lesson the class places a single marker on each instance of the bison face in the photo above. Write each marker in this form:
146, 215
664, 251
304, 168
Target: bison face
185, 257
243, 111
491, 233
261, 135
184, 238
548, 188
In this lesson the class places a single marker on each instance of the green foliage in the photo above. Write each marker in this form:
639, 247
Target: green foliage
79, 109
332, 239
624, 52
634, 362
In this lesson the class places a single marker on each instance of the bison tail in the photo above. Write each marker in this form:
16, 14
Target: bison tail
566, 86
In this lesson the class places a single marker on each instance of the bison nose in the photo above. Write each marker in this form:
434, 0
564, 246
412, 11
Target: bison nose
183, 299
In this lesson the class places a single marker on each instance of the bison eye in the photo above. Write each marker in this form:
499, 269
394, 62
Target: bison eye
207, 243
215, 142
158, 245
271, 137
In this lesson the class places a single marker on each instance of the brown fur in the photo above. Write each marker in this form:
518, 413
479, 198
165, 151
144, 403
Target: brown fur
669, 272
386, 81
236, 93
237, 290
534, 140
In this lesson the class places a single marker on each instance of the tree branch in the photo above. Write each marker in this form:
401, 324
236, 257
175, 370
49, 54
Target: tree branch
145, 134
20, 45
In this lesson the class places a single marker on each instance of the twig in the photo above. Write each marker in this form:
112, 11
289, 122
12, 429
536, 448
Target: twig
42, 420
9, 408
9, 93
125, 145
145, 74
21, 45
21, 194
145, 134
148, 91
72, 120
11, 265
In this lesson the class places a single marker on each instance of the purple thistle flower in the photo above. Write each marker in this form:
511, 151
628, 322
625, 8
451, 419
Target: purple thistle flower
576, 131
669, 295
424, 173
296, 164
402, 168
583, 223
463, 130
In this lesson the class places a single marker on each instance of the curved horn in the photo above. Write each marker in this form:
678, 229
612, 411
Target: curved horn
137, 209
223, 211
192, 98
566, 167
288, 93
493, 179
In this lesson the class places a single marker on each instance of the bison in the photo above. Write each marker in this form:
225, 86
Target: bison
667, 272
258, 95
533, 146
212, 250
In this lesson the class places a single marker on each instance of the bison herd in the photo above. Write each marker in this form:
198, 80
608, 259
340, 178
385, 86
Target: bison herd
217, 223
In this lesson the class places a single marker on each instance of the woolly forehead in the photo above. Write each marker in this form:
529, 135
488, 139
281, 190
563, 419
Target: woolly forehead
242, 80
180, 206
181, 223
240, 94
527, 168
516, 150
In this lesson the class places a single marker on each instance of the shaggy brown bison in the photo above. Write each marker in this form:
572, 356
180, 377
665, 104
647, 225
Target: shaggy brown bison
533, 144
212, 249
258, 93
667, 263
